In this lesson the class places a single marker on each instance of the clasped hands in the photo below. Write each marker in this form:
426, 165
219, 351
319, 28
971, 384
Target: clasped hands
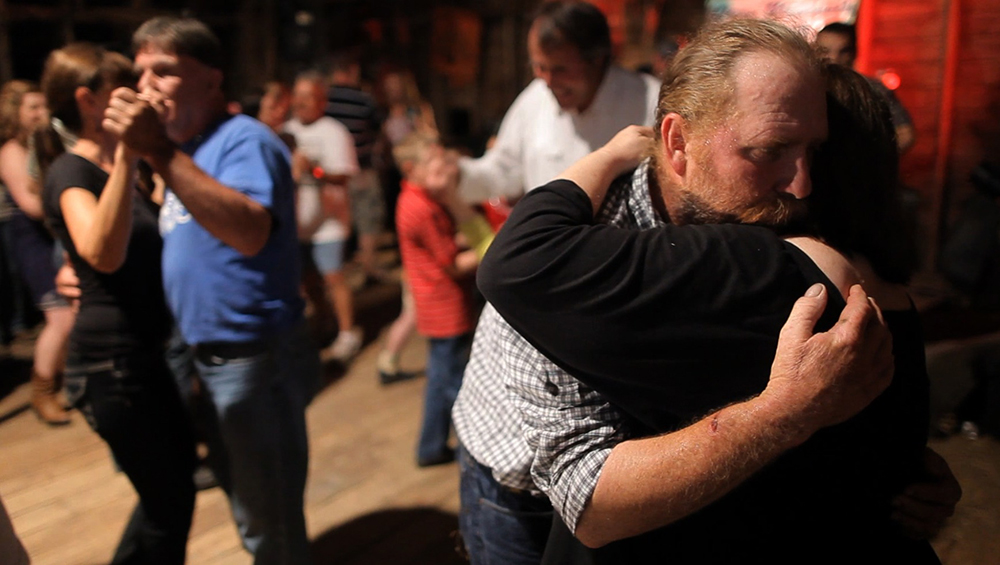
139, 120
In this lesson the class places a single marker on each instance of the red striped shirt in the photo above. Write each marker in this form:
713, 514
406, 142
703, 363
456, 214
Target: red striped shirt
427, 243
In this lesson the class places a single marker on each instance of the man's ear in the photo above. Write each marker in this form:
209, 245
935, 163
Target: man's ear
673, 133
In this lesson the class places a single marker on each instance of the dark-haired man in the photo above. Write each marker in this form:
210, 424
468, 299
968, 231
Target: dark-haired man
231, 274
838, 43
356, 109
577, 102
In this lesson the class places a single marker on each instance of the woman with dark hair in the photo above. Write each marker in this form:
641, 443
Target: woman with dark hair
116, 372
22, 109
672, 323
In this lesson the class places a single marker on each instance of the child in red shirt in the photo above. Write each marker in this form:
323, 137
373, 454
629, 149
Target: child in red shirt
441, 277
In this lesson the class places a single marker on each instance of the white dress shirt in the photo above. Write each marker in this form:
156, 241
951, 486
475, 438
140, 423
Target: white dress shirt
538, 139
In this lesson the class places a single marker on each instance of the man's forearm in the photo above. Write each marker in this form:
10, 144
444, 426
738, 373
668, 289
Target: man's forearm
650, 482
817, 380
232, 217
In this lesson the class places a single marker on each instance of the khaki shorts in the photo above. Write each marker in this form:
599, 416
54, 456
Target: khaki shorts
367, 205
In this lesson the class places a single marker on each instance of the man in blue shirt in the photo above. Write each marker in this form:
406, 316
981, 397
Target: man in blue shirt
231, 272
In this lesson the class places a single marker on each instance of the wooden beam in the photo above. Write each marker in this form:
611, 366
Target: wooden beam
942, 160
66, 21
131, 16
6, 62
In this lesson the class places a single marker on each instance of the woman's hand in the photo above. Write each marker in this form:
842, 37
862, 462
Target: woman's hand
627, 148
595, 172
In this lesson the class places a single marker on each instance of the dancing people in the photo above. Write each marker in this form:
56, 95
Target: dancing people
116, 372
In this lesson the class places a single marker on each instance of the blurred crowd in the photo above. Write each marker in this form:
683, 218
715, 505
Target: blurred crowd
639, 372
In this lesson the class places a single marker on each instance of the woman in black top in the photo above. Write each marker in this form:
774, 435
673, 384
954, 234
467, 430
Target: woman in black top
672, 323
116, 373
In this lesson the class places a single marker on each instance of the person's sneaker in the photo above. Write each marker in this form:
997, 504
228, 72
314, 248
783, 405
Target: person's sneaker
970, 430
346, 346
387, 378
204, 478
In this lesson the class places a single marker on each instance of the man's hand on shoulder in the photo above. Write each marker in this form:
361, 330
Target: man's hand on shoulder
822, 379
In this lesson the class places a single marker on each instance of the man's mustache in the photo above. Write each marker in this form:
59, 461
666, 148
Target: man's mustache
778, 211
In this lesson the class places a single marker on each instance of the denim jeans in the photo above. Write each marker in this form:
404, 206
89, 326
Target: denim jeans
499, 526
132, 403
256, 395
446, 360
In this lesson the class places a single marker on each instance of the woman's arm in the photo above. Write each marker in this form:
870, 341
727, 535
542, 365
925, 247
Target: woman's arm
595, 172
14, 174
100, 227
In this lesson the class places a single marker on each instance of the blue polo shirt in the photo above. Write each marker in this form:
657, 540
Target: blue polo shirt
214, 292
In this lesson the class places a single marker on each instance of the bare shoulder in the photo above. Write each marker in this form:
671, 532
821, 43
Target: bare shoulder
845, 272
833, 263
12, 150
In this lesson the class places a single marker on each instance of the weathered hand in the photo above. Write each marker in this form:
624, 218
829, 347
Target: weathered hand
137, 122
828, 377
628, 147
924, 506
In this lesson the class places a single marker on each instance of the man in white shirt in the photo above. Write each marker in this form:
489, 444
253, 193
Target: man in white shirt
325, 161
578, 101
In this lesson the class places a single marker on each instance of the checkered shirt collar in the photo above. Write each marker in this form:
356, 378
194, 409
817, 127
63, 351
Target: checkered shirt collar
628, 204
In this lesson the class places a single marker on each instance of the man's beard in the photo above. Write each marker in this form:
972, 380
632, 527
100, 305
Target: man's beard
779, 211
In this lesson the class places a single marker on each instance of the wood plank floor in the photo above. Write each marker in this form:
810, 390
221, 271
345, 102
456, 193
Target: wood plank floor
367, 502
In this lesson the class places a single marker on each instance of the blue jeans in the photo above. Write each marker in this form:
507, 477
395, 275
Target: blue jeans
446, 360
499, 526
257, 395
132, 403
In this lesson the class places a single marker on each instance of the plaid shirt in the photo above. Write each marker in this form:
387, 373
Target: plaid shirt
534, 425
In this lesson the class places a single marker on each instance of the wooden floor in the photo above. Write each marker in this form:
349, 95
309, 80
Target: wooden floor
367, 502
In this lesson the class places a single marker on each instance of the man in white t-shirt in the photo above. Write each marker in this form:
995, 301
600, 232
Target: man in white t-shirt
325, 161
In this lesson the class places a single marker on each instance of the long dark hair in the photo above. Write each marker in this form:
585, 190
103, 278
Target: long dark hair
75, 65
855, 205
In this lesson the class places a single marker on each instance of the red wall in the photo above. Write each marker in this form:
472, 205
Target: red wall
911, 36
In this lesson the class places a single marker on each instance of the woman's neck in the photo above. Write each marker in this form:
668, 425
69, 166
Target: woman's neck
99, 149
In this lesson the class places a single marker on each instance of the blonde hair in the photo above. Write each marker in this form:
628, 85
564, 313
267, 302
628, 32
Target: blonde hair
11, 96
413, 149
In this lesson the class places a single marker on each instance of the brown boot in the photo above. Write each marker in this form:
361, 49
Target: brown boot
45, 401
